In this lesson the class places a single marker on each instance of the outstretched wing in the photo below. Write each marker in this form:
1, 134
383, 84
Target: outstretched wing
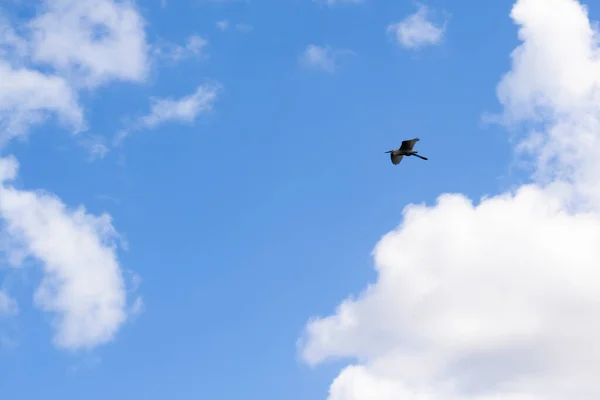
396, 159
408, 145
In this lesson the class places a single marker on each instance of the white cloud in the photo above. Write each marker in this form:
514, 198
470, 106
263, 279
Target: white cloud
27, 97
318, 57
138, 307
84, 42
499, 300
417, 30
555, 82
223, 25
69, 45
8, 168
321, 57
96, 146
91, 41
185, 109
194, 47
11, 44
83, 284
195, 44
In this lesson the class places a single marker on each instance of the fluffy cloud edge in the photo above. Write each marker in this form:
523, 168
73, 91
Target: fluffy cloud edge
83, 284
493, 301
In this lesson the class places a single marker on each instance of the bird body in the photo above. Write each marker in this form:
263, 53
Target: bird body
406, 149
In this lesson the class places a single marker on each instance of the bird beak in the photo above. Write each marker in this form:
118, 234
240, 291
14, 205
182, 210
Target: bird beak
389, 151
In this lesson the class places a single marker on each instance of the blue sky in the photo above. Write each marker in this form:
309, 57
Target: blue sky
245, 180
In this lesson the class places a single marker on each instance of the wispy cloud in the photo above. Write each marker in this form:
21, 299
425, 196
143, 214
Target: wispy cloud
223, 25
322, 57
96, 146
8, 305
194, 46
184, 109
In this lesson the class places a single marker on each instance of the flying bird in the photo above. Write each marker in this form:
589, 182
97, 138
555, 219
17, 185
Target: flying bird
406, 149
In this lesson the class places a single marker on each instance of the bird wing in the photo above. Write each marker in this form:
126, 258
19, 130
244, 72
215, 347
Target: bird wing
396, 159
408, 145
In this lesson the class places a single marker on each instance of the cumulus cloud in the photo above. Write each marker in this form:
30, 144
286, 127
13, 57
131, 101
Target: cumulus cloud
555, 84
321, 57
68, 45
91, 41
28, 97
496, 300
83, 283
417, 30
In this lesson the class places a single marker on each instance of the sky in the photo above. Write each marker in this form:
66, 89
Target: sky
196, 203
